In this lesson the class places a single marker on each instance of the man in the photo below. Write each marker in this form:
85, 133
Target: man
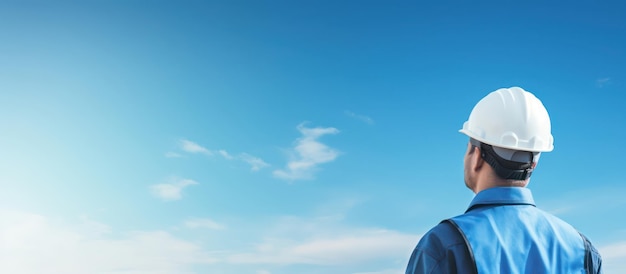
502, 231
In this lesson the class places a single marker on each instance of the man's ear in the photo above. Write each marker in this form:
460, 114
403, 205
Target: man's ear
477, 159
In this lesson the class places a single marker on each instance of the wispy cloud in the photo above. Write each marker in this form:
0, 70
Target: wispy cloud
256, 163
191, 147
386, 271
359, 246
172, 190
308, 154
321, 242
602, 82
225, 154
614, 257
34, 243
362, 118
195, 223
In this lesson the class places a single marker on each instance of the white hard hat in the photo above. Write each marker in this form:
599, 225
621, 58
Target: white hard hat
511, 118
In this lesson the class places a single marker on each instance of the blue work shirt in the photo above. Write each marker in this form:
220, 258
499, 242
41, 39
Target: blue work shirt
446, 249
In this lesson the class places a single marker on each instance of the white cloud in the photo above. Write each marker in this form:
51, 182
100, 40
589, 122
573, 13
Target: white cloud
351, 247
326, 241
225, 154
35, 244
386, 271
256, 163
603, 82
32, 243
614, 251
613, 257
192, 147
362, 118
172, 190
195, 223
309, 153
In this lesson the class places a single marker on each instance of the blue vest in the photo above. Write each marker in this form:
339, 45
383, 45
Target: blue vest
508, 234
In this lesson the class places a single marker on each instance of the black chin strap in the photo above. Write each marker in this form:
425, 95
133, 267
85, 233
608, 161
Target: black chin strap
507, 169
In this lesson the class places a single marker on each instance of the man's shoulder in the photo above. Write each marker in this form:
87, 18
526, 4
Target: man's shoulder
442, 236
441, 250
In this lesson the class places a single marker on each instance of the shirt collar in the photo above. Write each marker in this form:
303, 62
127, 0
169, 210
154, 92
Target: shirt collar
503, 195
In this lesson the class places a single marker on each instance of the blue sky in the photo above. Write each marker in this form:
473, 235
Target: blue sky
272, 137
